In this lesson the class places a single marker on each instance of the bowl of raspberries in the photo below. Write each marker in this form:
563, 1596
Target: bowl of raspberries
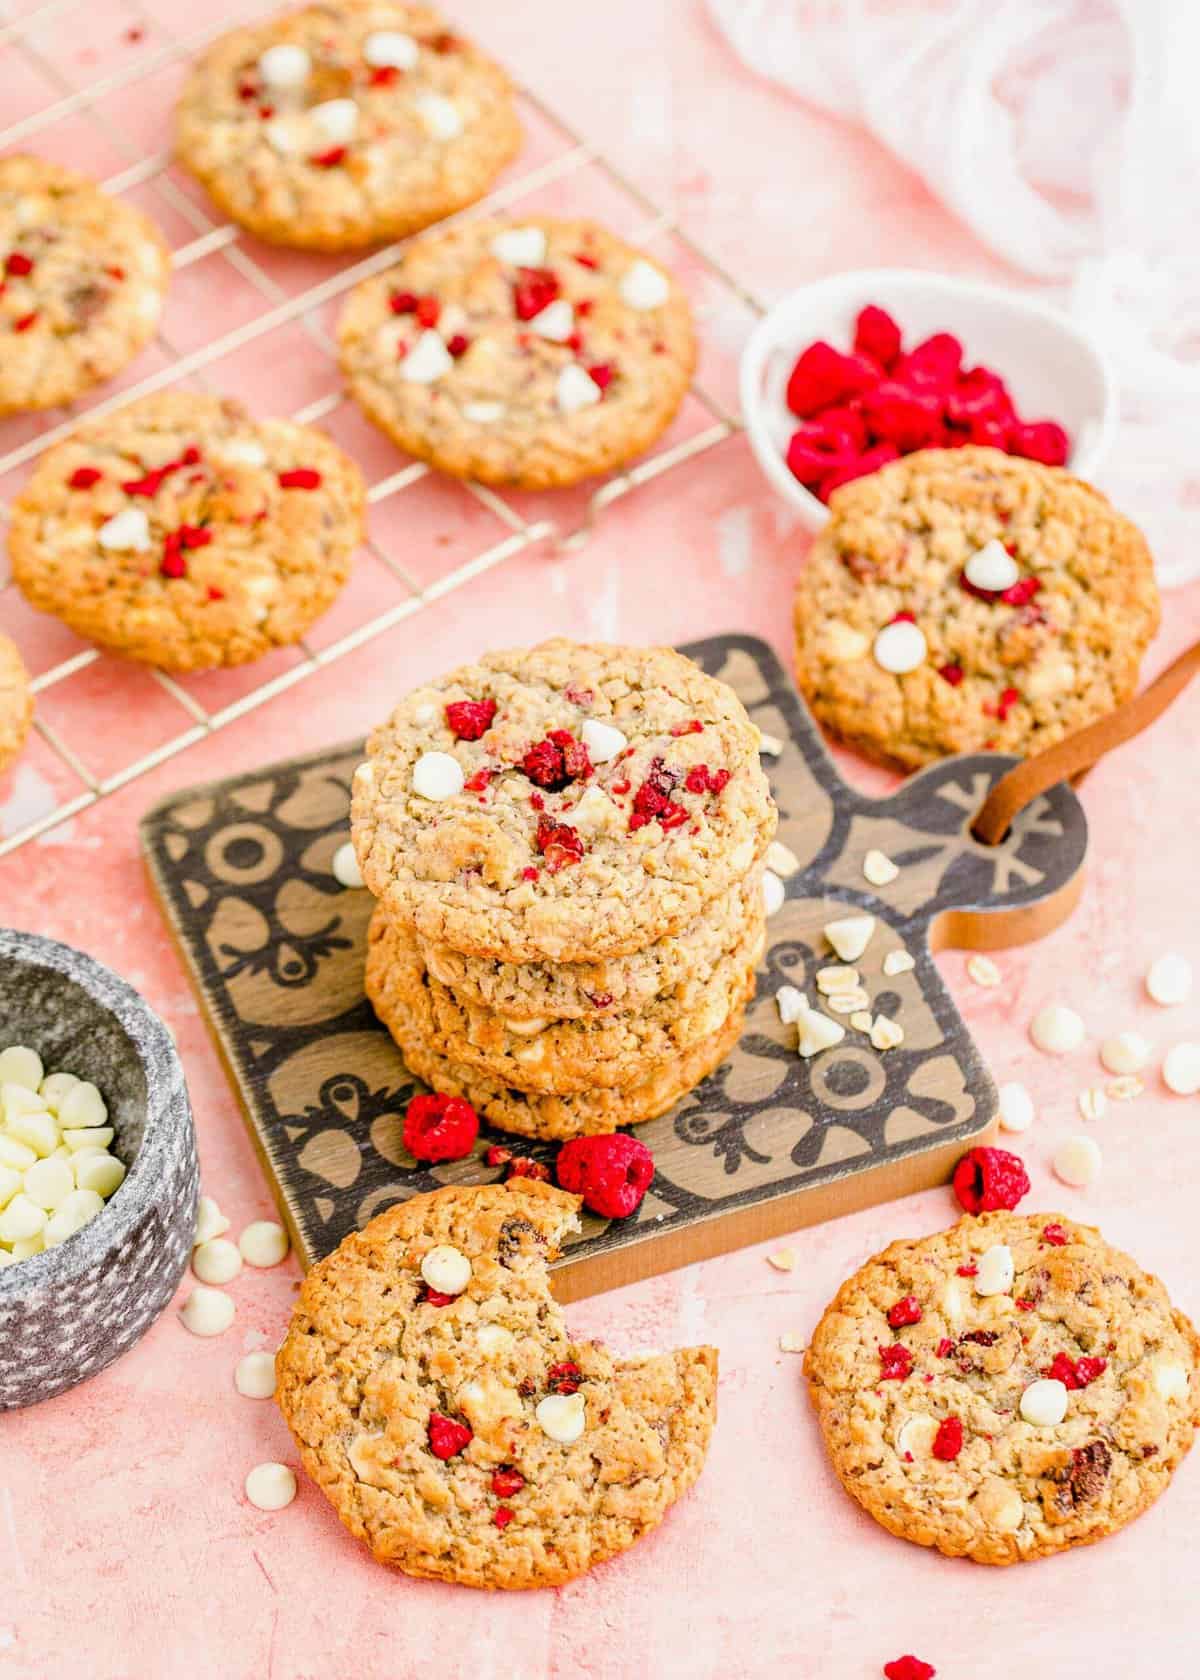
844, 375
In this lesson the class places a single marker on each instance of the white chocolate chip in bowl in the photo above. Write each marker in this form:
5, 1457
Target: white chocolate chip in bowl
561, 1417
437, 775
446, 1269
1044, 1402
900, 647
19, 1065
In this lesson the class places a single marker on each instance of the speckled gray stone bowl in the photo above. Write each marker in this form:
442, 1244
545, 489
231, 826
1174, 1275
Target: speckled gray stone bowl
67, 1313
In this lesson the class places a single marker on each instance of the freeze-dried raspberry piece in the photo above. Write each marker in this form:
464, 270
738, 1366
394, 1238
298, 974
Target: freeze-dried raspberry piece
507, 1481
905, 1311
653, 802
447, 1437
533, 290
300, 478
700, 779
1001, 707
564, 1378
498, 1155
435, 1298
869, 462
1075, 1373
876, 334
1043, 441
524, 1166
440, 1128
944, 1348
84, 477
948, 1442
1020, 594
951, 673
908, 1668
427, 311
612, 1173
823, 376
403, 303
18, 264
469, 719
502, 1516
557, 760
1055, 1236
329, 159
559, 844
897, 1362
987, 1179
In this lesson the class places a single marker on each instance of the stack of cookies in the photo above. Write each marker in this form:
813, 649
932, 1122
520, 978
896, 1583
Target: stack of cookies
566, 844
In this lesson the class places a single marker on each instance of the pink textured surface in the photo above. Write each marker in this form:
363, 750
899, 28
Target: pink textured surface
126, 1546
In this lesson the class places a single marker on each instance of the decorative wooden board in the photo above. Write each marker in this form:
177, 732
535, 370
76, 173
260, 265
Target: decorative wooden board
275, 948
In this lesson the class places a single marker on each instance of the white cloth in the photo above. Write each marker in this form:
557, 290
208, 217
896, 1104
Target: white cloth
1066, 135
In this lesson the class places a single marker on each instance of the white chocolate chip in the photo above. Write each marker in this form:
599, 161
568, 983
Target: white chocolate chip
270, 1486
10, 1182
781, 859
345, 866
427, 361
88, 1137
521, 247
1170, 1379
1016, 1107
50, 1182
285, 66
263, 1243
493, 1338
446, 1269
1125, 1088
126, 531
436, 775
207, 1312
556, 322
878, 869
992, 568
983, 970
898, 962
390, 49
900, 647
816, 1033
643, 286
483, 413
281, 135
254, 1376
439, 115
773, 892
337, 120
54, 1088
76, 1211
843, 644
1091, 1102
210, 1221
916, 1436
576, 389
596, 814
1169, 981
1057, 1030
1077, 1161
21, 1218
216, 1261
82, 1106
1044, 1402
243, 452
562, 1417
886, 1034
1181, 1069
602, 740
1125, 1052
953, 1304
19, 1065
783, 1260
1000, 1505
36, 1129
97, 1170
850, 936
792, 1004
771, 745
837, 978
994, 1275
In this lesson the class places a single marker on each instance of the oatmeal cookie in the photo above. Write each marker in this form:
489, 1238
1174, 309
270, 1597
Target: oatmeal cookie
531, 353
1015, 604
586, 991
567, 802
82, 288
182, 532
16, 702
1005, 1389
345, 124
563, 1058
445, 1411
408, 1016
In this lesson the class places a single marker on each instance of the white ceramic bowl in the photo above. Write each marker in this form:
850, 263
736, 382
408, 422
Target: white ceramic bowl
1054, 371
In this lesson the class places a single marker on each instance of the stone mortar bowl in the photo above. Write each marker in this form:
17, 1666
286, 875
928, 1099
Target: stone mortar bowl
68, 1312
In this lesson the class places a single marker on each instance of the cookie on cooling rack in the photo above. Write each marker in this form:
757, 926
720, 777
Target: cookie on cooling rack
451, 1420
341, 125
966, 599
182, 532
1005, 1389
82, 282
530, 352
16, 703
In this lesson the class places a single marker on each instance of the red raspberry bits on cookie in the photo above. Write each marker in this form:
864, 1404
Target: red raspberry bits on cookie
507, 1481
83, 478
908, 1668
1054, 1235
447, 1437
905, 1311
1075, 1373
329, 159
469, 719
440, 1128
534, 290
612, 1174
948, 1442
564, 1378
18, 264
300, 478
987, 1179
653, 803
559, 844
897, 1362
557, 761
502, 1516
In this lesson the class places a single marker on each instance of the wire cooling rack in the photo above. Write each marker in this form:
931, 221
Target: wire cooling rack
76, 109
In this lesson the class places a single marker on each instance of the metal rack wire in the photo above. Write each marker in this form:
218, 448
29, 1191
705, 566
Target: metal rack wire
209, 238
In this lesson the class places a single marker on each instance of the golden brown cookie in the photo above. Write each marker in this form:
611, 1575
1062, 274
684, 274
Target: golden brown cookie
1005, 1389
568, 1058
182, 532
530, 352
456, 1427
341, 125
82, 282
565, 802
16, 702
966, 599
408, 1016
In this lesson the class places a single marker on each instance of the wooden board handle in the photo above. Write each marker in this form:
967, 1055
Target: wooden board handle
1079, 752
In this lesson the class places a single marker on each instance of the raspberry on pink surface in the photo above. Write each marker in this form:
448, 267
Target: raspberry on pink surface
987, 1179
